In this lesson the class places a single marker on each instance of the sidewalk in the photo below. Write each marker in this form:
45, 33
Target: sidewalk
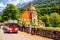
33, 37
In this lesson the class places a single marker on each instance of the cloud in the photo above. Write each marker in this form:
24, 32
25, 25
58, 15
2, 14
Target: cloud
1, 5
15, 2
27, 0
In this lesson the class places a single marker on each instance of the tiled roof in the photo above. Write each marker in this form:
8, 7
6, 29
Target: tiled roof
40, 22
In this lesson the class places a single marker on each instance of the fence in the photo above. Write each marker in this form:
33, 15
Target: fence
45, 32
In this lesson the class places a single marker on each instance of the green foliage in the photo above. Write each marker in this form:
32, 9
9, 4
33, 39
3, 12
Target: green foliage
21, 10
55, 19
42, 11
46, 3
10, 12
32, 24
0, 18
45, 19
51, 20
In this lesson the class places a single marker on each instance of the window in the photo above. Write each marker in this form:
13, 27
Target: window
34, 20
24, 19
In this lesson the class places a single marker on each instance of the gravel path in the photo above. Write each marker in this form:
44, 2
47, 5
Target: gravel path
12, 36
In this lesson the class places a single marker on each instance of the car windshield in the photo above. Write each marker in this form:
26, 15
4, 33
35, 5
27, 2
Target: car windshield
12, 25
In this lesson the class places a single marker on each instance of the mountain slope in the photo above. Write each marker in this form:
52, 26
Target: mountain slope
46, 3
21, 5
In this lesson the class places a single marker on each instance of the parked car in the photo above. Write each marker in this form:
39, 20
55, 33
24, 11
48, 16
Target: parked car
11, 28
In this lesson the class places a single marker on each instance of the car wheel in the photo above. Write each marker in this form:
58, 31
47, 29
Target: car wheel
5, 31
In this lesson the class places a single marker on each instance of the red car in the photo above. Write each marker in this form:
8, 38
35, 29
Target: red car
11, 29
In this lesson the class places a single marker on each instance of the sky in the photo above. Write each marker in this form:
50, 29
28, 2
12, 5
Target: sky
3, 3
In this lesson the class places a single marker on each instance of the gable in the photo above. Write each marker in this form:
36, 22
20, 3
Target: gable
26, 14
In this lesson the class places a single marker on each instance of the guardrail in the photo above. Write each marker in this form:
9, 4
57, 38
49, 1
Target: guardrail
45, 32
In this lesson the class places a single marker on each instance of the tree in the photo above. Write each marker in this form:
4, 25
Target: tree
0, 18
10, 12
55, 19
45, 19
21, 10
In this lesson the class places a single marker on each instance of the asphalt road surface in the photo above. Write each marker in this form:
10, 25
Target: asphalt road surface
8, 36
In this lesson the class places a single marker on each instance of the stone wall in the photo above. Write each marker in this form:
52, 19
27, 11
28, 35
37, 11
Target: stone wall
54, 34
45, 32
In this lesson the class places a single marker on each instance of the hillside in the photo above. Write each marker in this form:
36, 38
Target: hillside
46, 3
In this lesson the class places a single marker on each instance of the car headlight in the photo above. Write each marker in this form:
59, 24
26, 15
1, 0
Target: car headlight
16, 29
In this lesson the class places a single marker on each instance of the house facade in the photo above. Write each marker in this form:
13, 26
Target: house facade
41, 23
29, 15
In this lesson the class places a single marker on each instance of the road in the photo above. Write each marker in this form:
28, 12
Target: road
20, 36
7, 36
